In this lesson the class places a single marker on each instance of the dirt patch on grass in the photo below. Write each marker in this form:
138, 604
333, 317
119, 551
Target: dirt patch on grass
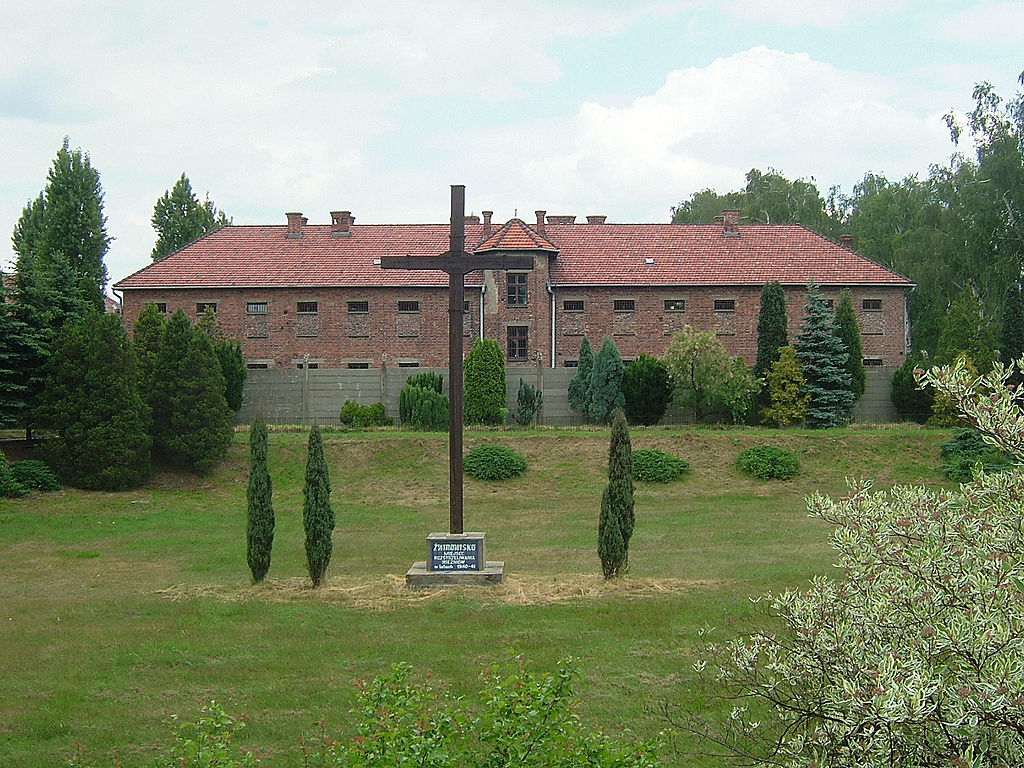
390, 592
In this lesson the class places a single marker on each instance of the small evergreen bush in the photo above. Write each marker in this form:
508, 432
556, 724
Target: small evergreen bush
965, 449
34, 475
768, 462
423, 409
493, 462
654, 466
361, 416
647, 389
484, 377
9, 486
912, 404
528, 403
426, 380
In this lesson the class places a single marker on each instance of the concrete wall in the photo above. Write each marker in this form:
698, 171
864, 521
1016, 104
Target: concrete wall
291, 396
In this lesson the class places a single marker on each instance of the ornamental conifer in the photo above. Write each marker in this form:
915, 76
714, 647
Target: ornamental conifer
259, 494
822, 356
771, 327
606, 383
615, 527
579, 385
849, 331
317, 515
484, 374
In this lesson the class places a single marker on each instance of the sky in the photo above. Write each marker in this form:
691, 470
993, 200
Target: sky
620, 108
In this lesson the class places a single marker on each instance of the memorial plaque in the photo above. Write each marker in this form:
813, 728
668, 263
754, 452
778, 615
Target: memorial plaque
461, 552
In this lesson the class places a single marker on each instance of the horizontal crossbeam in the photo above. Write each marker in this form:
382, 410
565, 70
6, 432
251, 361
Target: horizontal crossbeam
459, 264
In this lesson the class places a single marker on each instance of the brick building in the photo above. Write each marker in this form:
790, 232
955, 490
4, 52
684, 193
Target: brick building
298, 294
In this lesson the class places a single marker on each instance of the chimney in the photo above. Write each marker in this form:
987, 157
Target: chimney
846, 240
540, 221
596, 219
295, 222
561, 219
472, 219
487, 223
731, 223
340, 223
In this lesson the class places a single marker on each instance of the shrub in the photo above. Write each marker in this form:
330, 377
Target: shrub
426, 380
783, 388
647, 389
484, 378
422, 408
431, 382
706, 378
911, 402
528, 402
944, 411
768, 462
493, 462
965, 449
606, 383
653, 466
9, 486
35, 475
362, 416
579, 386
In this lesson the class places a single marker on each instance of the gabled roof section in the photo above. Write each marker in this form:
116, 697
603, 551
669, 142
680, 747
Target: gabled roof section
516, 236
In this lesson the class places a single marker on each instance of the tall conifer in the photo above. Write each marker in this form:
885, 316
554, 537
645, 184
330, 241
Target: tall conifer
848, 330
605, 394
317, 514
259, 495
1011, 336
822, 356
771, 327
615, 527
579, 385
484, 374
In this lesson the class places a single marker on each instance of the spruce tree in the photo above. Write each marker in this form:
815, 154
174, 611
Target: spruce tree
647, 390
1011, 336
92, 407
579, 385
259, 494
849, 331
484, 375
615, 527
179, 218
317, 515
822, 356
606, 383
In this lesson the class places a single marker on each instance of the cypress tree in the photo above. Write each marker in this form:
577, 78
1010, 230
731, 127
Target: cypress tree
93, 407
1011, 336
772, 332
484, 376
259, 494
647, 390
822, 356
173, 346
579, 385
317, 515
615, 527
606, 383
848, 330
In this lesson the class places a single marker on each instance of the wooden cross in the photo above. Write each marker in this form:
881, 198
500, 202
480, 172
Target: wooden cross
457, 263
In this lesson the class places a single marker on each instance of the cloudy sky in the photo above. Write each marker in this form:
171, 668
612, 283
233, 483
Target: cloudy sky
621, 108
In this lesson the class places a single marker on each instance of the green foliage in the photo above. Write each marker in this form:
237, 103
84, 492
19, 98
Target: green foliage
1011, 335
706, 379
528, 403
424, 409
965, 331
208, 742
92, 408
965, 450
772, 327
484, 372
426, 380
605, 392
363, 416
229, 355
768, 462
15, 351
493, 462
911, 402
579, 385
784, 383
848, 330
651, 465
823, 357
179, 218
259, 532
147, 338
912, 656
944, 410
9, 486
615, 526
317, 513
35, 475
647, 390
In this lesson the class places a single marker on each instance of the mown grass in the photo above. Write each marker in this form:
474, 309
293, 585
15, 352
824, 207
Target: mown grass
118, 608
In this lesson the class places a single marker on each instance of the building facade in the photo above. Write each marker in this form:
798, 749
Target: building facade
300, 295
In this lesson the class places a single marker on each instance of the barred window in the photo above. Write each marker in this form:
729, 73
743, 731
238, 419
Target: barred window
573, 305
675, 305
358, 366
409, 364
358, 307
408, 306
256, 366
206, 306
624, 305
872, 305
256, 307
571, 364
308, 307
725, 305
518, 342
869, 361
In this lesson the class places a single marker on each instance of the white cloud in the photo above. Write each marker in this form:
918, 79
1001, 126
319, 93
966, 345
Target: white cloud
826, 14
985, 24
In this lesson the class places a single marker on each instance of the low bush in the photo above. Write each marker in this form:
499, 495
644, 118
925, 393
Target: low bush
528, 402
9, 486
651, 465
35, 475
965, 449
493, 462
362, 416
768, 462
423, 408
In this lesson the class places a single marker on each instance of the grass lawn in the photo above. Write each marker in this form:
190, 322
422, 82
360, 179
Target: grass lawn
117, 609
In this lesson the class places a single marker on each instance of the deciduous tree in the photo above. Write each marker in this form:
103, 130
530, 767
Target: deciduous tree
705, 378
179, 218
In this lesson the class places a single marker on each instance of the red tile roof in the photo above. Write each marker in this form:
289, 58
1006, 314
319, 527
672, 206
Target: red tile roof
587, 254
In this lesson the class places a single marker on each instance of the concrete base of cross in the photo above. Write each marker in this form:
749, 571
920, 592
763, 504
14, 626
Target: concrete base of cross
421, 577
